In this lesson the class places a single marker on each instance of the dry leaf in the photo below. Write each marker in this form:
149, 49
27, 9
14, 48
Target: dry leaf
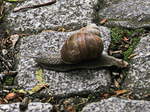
41, 83
37, 88
39, 76
105, 95
21, 91
119, 92
125, 38
70, 109
103, 21
11, 96
1, 101
61, 29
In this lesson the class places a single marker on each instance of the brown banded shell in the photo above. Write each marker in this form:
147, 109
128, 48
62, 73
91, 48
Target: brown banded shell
81, 47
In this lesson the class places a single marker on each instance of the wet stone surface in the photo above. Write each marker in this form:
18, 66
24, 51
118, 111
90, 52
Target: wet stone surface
138, 78
32, 107
64, 13
118, 105
60, 83
128, 14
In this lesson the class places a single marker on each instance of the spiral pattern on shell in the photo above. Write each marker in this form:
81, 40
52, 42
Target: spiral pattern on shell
80, 47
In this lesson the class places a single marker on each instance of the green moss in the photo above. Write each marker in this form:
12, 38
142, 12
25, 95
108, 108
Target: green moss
131, 48
118, 33
117, 40
9, 81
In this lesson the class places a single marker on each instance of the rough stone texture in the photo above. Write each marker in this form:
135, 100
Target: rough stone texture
109, 2
118, 105
138, 78
32, 107
64, 13
128, 14
59, 82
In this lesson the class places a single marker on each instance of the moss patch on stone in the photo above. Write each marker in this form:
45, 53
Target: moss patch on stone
8, 81
131, 48
125, 41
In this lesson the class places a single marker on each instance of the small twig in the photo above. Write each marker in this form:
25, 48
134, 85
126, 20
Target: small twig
9, 73
132, 56
34, 6
6, 62
3, 59
1, 10
9, 87
115, 52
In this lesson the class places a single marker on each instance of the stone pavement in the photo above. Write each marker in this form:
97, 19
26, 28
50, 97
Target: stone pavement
73, 15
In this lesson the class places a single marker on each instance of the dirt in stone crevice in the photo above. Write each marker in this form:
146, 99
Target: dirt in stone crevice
7, 56
4, 41
6, 52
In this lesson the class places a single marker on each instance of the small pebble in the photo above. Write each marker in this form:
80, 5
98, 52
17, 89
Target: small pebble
4, 51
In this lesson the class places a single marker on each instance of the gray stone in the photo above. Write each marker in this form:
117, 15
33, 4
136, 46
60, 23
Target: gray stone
128, 14
109, 2
59, 82
118, 105
64, 13
32, 107
138, 78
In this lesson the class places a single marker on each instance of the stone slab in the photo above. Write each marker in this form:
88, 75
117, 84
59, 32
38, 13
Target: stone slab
138, 78
60, 83
32, 107
118, 105
64, 13
128, 14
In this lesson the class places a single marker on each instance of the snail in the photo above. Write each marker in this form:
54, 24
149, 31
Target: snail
82, 50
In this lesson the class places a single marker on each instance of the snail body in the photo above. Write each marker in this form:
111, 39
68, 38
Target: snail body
48, 61
82, 50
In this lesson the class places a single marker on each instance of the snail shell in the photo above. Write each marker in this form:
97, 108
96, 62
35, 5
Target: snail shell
81, 46
92, 28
